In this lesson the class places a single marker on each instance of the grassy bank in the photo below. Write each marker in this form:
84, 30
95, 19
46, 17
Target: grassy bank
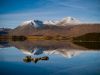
89, 37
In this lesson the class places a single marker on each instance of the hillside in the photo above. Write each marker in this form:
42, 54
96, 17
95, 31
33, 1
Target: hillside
52, 30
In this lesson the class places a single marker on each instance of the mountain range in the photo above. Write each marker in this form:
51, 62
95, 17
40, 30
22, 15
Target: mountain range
62, 22
68, 27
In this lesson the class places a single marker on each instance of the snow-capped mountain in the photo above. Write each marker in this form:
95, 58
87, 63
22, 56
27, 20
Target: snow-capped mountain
64, 21
68, 20
39, 24
34, 23
28, 27
50, 22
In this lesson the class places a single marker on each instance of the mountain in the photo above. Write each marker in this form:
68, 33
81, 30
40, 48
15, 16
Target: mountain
50, 22
53, 30
4, 31
63, 22
69, 21
40, 24
34, 23
68, 27
82, 29
26, 27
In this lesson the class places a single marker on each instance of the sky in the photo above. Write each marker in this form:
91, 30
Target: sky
14, 12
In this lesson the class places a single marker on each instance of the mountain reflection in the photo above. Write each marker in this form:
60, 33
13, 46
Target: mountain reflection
37, 47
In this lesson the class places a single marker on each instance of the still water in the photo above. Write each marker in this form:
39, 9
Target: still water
48, 58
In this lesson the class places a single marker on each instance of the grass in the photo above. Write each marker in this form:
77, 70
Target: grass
89, 37
89, 45
47, 38
89, 40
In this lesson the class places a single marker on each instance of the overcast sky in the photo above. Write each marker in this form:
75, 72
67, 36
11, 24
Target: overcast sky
14, 12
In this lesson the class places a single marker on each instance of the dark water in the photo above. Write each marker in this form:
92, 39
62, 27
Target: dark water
64, 58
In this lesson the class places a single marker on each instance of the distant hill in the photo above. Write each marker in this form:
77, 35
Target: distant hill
4, 31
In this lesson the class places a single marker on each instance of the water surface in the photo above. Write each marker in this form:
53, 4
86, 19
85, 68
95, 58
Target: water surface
64, 58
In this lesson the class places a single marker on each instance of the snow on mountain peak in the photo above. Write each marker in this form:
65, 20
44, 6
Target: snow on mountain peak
64, 21
35, 23
69, 20
51, 22
27, 23
38, 24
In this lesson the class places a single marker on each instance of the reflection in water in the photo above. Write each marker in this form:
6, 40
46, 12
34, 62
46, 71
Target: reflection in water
40, 51
36, 47
35, 60
18, 38
89, 45
89, 40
